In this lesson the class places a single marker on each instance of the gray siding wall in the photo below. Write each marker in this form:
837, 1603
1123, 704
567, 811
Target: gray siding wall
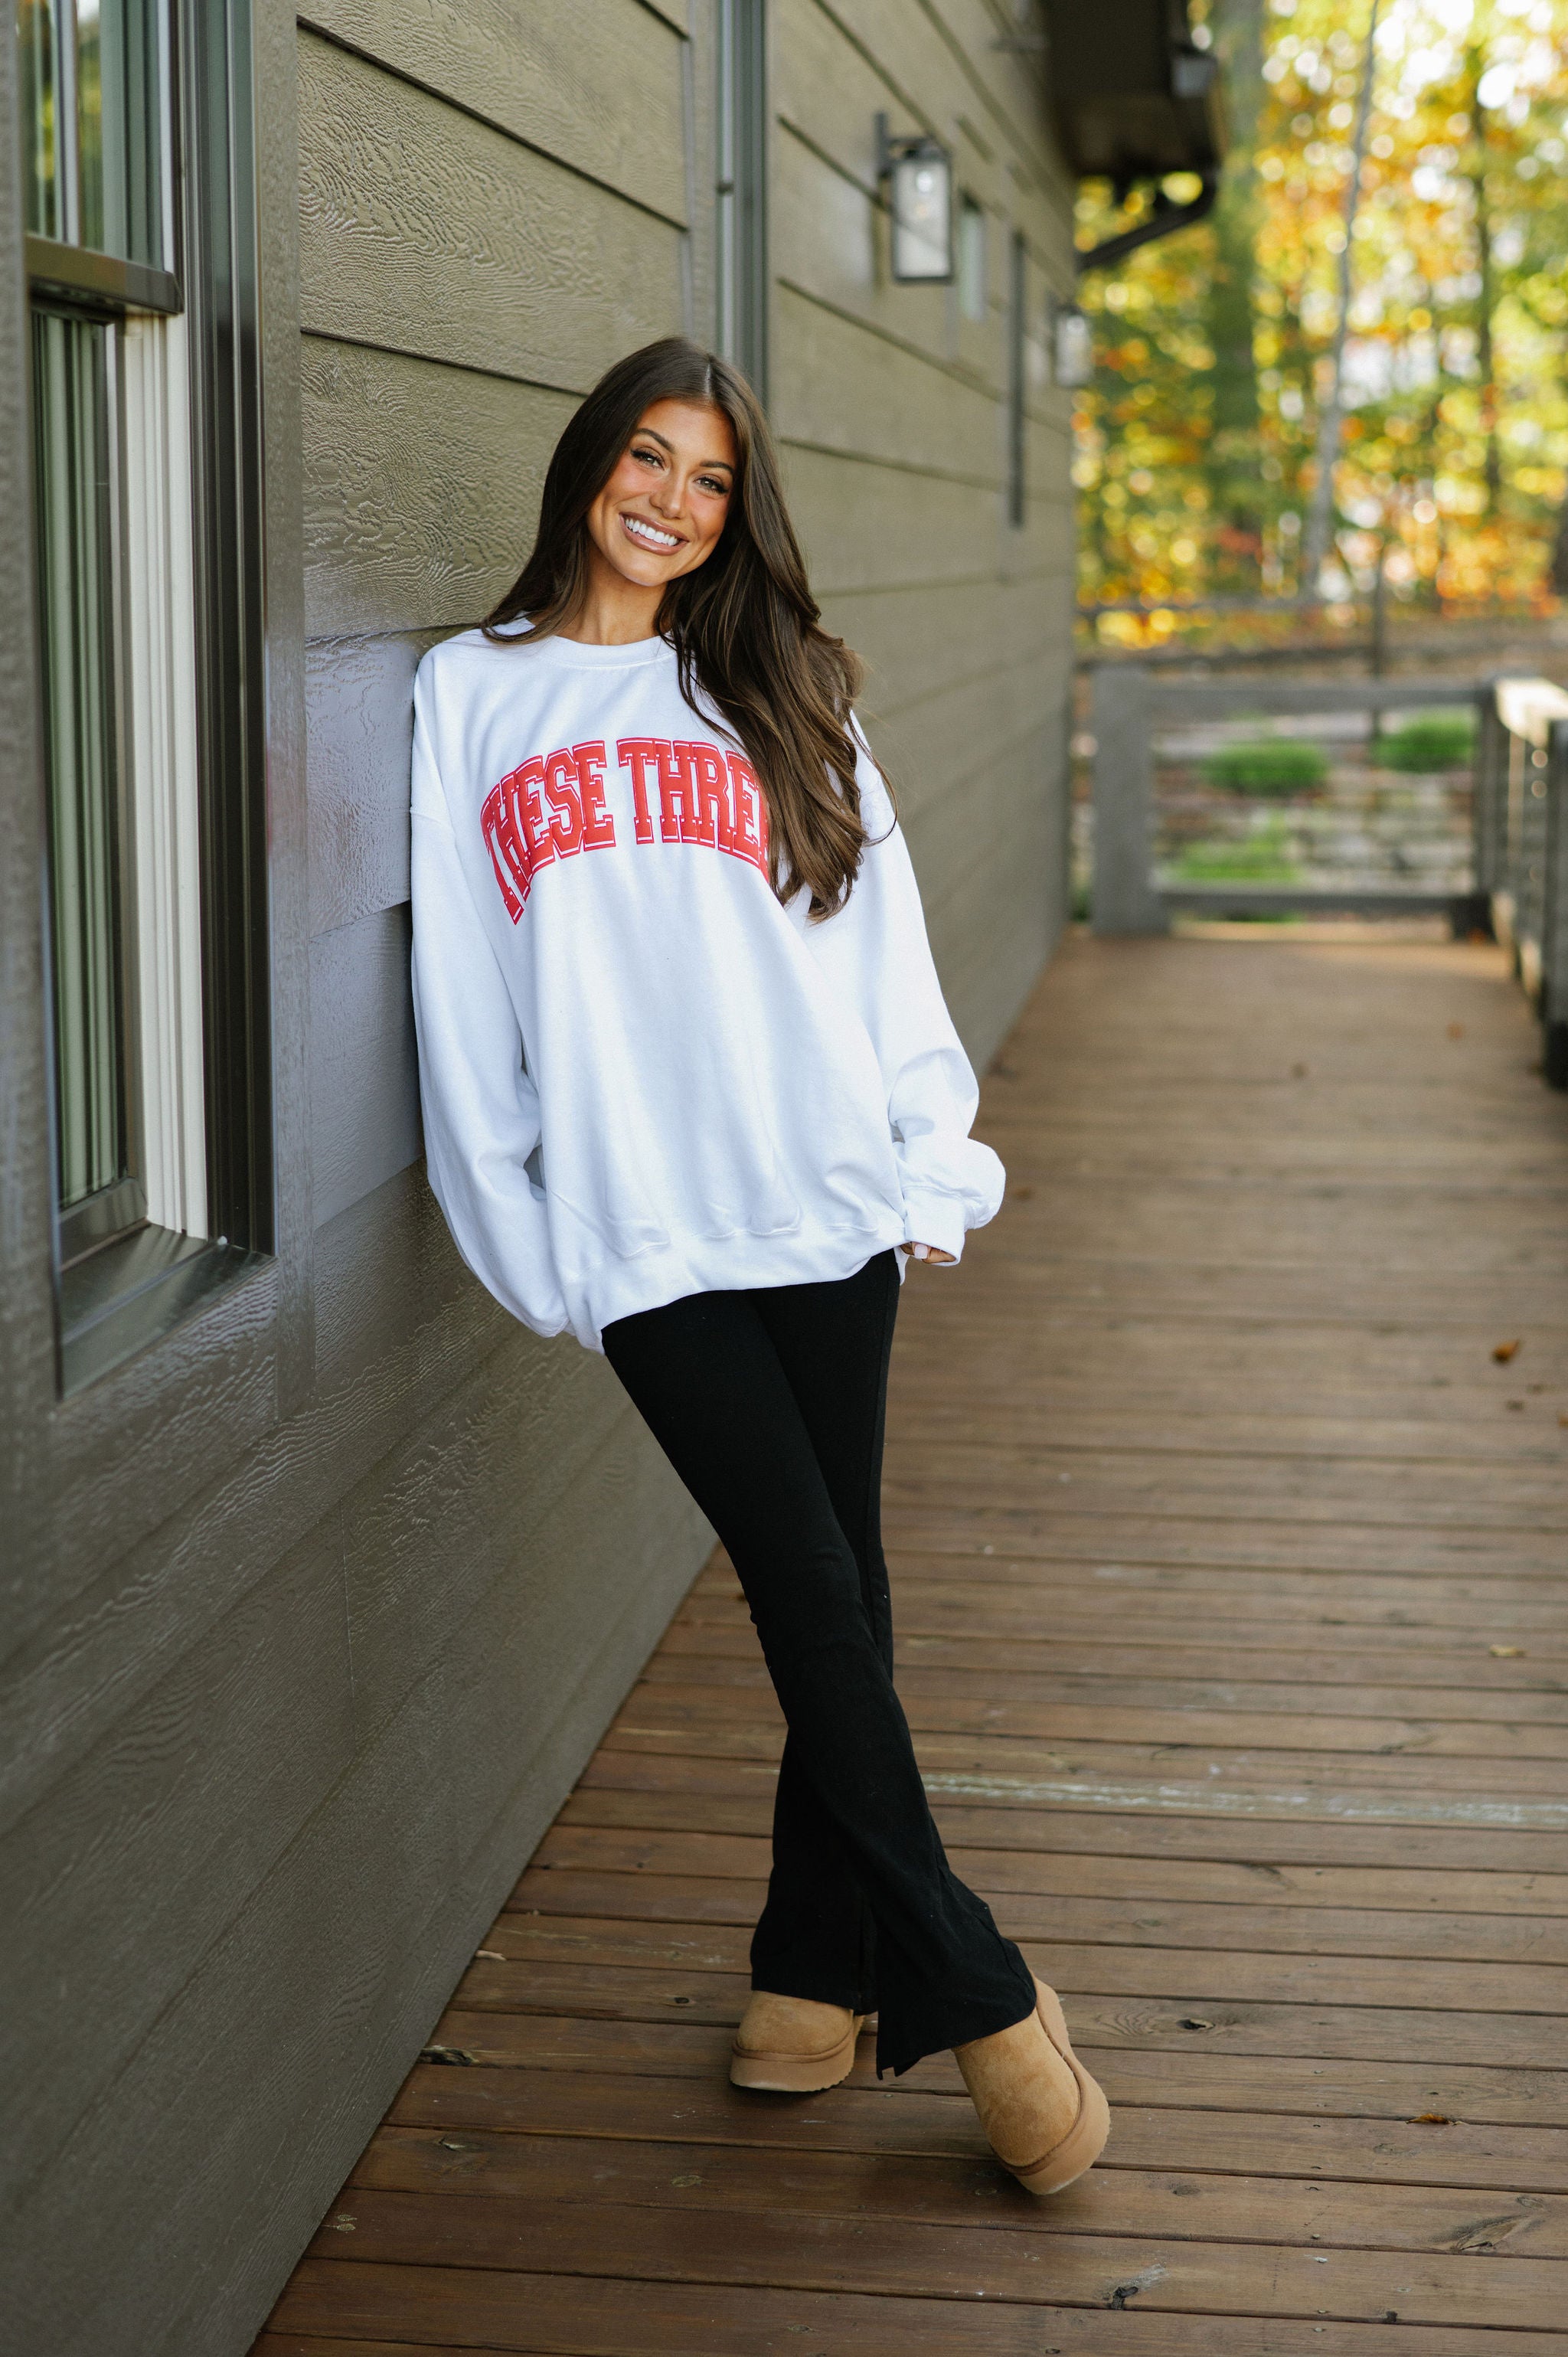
310, 1616
892, 410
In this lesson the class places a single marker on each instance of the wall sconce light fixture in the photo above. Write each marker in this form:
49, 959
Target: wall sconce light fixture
1072, 345
921, 172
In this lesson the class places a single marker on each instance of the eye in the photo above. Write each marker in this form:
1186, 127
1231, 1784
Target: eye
651, 458
711, 483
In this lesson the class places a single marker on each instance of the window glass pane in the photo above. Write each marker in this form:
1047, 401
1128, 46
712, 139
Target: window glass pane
37, 26
72, 419
120, 127
971, 287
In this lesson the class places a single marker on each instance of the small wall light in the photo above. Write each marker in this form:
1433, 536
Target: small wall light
921, 172
1072, 345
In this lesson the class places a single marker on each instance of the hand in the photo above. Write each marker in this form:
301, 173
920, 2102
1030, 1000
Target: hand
932, 1252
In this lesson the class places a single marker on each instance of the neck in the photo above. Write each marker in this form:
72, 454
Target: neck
612, 612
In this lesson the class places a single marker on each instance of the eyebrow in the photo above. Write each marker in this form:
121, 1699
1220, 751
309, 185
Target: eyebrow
654, 435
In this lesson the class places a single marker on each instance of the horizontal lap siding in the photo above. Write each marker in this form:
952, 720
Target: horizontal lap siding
891, 412
321, 1678
493, 199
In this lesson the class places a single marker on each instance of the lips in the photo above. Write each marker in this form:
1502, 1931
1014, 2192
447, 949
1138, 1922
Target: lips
648, 535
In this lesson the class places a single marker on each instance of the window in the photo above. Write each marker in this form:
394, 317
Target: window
145, 451
1017, 339
972, 286
742, 189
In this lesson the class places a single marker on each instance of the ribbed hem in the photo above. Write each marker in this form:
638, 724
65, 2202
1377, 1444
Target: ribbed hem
807, 1255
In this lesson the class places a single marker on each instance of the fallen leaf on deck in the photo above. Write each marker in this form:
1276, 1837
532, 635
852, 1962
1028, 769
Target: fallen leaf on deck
1504, 1351
1456, 1030
1432, 2120
445, 2054
1506, 1652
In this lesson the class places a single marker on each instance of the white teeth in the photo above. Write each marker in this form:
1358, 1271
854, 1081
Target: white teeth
650, 533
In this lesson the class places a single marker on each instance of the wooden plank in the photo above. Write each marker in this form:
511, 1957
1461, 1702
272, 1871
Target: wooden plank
673, 1719
1288, 1787
597, 89
1284, 1975
1058, 1918
1468, 1687
1194, 2074
665, 1802
575, 1845
364, 1076
606, 2316
867, 527
943, 2190
491, 2105
359, 725
426, 231
1019, 1696
394, 548
694, 2242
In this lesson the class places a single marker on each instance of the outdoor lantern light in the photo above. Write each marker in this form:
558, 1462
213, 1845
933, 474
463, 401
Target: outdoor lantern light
920, 171
1072, 345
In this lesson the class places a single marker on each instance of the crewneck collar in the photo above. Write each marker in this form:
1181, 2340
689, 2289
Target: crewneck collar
574, 654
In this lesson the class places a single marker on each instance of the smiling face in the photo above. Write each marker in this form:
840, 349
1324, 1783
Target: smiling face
663, 509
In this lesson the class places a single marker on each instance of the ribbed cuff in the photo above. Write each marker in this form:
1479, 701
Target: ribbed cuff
935, 1220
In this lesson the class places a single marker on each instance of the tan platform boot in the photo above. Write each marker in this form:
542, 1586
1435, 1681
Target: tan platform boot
792, 2046
1047, 2119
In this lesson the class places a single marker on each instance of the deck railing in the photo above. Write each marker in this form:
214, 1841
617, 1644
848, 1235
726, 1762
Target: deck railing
1515, 884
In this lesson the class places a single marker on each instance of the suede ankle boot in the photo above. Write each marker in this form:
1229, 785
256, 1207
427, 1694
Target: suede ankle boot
1047, 2119
792, 2045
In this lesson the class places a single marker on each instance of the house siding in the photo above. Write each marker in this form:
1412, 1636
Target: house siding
312, 1614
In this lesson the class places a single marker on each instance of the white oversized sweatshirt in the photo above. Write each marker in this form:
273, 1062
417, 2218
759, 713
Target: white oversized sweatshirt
642, 1075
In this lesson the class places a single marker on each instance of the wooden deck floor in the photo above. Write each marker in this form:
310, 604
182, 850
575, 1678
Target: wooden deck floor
1228, 1561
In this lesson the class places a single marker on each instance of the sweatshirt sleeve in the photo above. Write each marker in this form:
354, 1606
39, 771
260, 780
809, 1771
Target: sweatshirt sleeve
876, 950
479, 1107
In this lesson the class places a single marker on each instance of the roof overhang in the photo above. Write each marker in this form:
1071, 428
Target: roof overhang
1132, 96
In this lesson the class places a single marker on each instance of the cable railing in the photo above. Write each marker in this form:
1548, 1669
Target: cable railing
1375, 798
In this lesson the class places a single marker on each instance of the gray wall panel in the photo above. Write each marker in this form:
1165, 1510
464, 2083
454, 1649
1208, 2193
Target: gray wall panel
429, 232
391, 544
360, 719
159, 1835
376, 1906
595, 88
386, 1272
364, 1079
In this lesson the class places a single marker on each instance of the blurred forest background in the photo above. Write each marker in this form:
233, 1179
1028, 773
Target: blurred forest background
1356, 365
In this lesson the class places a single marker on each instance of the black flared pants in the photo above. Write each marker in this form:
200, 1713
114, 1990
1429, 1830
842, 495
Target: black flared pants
771, 1405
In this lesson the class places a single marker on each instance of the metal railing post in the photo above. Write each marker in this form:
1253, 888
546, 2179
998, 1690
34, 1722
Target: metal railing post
1126, 900
1489, 806
1555, 911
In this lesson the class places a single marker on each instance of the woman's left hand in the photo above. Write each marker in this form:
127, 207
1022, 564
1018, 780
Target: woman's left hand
933, 1252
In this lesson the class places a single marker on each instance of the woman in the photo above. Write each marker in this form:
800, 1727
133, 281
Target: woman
689, 1089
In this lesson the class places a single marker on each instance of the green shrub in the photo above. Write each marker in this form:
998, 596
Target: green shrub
1261, 858
1271, 765
1437, 740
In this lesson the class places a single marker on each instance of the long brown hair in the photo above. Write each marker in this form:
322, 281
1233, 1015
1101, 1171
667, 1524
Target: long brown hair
745, 627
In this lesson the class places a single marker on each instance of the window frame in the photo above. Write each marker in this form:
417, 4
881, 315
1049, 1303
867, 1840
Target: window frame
741, 190
118, 1291
1018, 502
